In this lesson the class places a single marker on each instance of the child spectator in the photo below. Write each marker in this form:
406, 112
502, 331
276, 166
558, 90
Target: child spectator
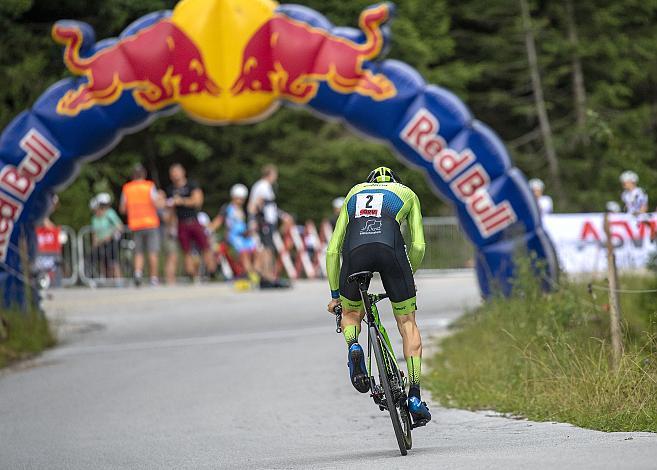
106, 229
233, 217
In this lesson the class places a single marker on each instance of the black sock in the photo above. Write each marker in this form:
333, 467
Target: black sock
414, 391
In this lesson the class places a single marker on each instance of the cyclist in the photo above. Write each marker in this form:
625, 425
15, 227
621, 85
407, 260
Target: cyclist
368, 235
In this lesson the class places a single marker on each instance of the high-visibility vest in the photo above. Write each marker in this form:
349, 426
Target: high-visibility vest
142, 214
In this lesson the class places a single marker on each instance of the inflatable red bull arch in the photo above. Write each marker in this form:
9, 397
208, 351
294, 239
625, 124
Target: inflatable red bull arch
235, 61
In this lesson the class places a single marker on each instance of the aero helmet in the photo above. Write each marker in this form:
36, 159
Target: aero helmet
383, 175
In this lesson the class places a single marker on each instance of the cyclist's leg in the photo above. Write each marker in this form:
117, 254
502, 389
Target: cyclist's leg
352, 314
352, 305
412, 339
398, 281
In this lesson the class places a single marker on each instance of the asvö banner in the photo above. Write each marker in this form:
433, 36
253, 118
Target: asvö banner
580, 240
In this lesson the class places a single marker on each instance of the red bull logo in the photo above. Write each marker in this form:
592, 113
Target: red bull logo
178, 70
292, 58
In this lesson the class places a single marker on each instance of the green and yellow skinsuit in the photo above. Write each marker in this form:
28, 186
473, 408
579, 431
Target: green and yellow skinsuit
372, 215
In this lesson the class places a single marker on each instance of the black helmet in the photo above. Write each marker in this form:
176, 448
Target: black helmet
383, 174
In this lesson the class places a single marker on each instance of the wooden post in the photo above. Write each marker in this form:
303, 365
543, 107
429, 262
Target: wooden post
614, 302
4, 333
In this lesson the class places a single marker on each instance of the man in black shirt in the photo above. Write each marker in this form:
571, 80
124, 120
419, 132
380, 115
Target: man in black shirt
186, 197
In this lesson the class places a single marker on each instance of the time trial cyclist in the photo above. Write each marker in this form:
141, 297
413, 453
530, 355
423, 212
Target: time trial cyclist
368, 236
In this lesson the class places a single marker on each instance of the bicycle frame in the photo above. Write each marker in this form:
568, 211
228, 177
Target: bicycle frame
372, 318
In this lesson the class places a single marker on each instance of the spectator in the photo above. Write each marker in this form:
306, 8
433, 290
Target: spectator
106, 229
140, 201
233, 217
187, 199
50, 239
310, 239
337, 207
613, 207
264, 218
169, 233
634, 198
545, 205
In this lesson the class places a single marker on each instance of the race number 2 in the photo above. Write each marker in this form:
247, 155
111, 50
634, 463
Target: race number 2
369, 205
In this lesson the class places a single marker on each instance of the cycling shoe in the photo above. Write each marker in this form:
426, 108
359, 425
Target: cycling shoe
357, 369
419, 411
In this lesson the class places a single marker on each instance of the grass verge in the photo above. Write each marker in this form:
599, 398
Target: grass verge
547, 358
23, 335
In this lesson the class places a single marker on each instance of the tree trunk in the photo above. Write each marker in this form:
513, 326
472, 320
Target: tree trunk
579, 90
539, 98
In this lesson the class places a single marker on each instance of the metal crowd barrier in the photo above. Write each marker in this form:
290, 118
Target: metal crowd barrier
447, 249
69, 265
105, 265
447, 246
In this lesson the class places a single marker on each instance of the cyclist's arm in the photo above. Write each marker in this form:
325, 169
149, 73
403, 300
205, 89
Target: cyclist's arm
416, 229
334, 250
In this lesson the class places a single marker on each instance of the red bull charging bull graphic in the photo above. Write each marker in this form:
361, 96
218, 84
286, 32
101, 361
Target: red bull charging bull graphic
262, 56
154, 84
300, 57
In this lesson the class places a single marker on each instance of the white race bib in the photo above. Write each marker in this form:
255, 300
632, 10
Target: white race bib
369, 205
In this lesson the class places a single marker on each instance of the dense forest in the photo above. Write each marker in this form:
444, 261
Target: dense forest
570, 86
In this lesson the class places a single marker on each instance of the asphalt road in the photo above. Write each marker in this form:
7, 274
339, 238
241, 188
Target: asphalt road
204, 377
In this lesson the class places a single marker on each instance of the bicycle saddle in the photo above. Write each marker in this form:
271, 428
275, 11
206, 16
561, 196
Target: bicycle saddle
360, 278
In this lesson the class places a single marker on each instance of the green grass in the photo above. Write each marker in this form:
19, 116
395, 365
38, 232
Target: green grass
547, 358
23, 335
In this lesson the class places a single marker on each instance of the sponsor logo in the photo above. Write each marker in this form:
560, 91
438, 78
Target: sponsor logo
173, 67
637, 234
369, 213
371, 227
292, 58
10, 211
469, 184
20, 181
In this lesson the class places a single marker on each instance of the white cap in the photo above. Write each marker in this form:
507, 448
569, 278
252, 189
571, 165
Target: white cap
613, 206
203, 219
338, 202
104, 199
536, 184
629, 176
239, 191
93, 203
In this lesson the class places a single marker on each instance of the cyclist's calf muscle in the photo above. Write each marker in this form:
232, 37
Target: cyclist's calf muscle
410, 334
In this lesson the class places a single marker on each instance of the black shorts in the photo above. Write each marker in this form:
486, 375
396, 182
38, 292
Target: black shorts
266, 234
395, 270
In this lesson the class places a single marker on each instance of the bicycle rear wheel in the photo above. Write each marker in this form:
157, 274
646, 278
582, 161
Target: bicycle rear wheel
387, 389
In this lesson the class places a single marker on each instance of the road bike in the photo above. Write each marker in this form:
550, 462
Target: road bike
389, 394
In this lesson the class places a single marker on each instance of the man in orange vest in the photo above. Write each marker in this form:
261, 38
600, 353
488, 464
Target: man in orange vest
140, 201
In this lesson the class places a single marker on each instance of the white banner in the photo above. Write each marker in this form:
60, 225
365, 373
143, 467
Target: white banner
580, 240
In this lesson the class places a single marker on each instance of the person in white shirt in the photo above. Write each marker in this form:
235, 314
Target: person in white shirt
263, 220
634, 198
545, 204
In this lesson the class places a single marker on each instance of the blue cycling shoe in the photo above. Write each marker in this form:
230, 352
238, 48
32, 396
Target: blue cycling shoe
419, 411
357, 369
